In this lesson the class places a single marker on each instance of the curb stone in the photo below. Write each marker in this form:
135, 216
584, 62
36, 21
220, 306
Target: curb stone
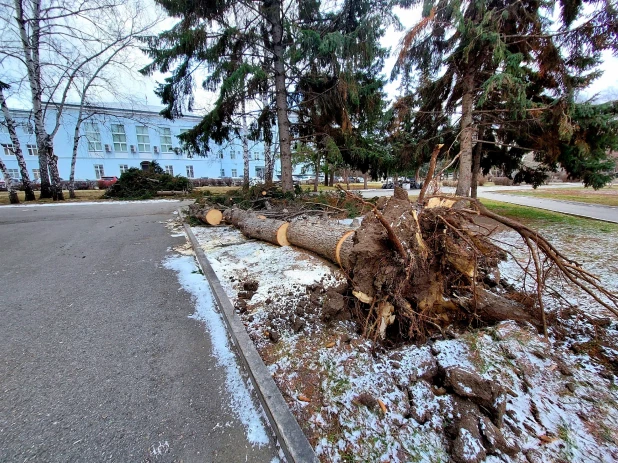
291, 438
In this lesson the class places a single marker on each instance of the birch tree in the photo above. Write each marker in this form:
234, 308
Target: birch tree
17, 151
53, 44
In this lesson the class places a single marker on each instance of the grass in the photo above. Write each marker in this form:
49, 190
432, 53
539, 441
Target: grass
541, 218
607, 196
82, 195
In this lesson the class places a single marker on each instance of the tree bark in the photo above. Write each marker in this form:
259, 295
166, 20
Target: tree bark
274, 15
30, 46
476, 167
465, 157
324, 239
56, 186
245, 145
19, 155
211, 216
261, 228
365, 181
10, 186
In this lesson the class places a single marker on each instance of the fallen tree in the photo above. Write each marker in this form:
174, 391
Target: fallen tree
415, 268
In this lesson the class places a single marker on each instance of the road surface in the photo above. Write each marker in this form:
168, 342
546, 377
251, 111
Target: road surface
98, 358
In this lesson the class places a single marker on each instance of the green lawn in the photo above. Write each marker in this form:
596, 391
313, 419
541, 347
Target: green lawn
607, 196
539, 218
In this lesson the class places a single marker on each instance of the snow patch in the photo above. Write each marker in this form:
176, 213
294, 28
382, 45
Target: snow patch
205, 310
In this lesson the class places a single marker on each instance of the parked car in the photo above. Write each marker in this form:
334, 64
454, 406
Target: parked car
106, 182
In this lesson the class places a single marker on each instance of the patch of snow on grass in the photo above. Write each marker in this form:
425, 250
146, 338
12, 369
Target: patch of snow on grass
241, 403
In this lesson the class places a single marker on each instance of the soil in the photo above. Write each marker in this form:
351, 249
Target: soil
495, 393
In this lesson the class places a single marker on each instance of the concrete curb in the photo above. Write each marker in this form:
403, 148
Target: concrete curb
293, 442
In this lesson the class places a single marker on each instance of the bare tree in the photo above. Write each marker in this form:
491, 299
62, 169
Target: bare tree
52, 46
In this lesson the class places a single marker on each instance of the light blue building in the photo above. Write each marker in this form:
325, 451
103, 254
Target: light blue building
114, 139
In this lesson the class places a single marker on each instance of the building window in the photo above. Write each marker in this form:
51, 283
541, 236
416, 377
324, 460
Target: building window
98, 171
232, 154
13, 173
189, 171
119, 138
222, 172
234, 173
123, 168
36, 174
143, 139
256, 156
93, 136
165, 134
259, 172
220, 154
32, 150
9, 149
169, 170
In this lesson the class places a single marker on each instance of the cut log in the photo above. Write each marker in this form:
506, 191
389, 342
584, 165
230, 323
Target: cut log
331, 241
211, 216
270, 230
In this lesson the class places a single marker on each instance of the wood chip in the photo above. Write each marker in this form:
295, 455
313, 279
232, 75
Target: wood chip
303, 398
382, 406
331, 344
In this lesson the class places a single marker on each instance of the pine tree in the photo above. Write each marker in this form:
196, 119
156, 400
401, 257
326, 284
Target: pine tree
503, 67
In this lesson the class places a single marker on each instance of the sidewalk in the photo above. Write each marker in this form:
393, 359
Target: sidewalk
590, 211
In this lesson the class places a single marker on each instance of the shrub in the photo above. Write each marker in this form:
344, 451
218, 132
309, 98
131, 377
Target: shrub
503, 181
139, 184
450, 183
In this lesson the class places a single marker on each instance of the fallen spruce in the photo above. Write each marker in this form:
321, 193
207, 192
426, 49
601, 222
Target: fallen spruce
416, 268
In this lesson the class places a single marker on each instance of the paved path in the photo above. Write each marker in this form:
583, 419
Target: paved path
98, 358
592, 211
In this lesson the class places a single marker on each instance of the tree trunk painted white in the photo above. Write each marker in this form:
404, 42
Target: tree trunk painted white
19, 155
465, 157
74, 155
281, 96
10, 186
245, 145
56, 186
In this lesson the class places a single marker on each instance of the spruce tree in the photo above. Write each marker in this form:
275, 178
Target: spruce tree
504, 69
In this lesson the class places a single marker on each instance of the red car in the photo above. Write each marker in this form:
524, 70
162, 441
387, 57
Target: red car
106, 182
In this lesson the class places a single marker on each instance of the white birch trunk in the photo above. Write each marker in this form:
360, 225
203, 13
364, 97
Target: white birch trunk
10, 186
19, 155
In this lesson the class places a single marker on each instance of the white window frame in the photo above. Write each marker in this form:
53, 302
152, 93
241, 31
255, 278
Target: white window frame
36, 174
256, 156
169, 170
9, 149
190, 173
143, 138
119, 138
234, 173
99, 171
222, 173
13, 173
123, 168
232, 154
93, 135
33, 150
165, 136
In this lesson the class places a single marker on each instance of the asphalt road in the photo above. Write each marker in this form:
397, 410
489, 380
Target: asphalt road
98, 358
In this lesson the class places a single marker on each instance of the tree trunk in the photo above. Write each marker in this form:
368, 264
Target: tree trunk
56, 186
332, 176
211, 216
326, 166
465, 157
476, 167
19, 155
261, 228
346, 178
316, 168
245, 147
364, 181
281, 95
10, 186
